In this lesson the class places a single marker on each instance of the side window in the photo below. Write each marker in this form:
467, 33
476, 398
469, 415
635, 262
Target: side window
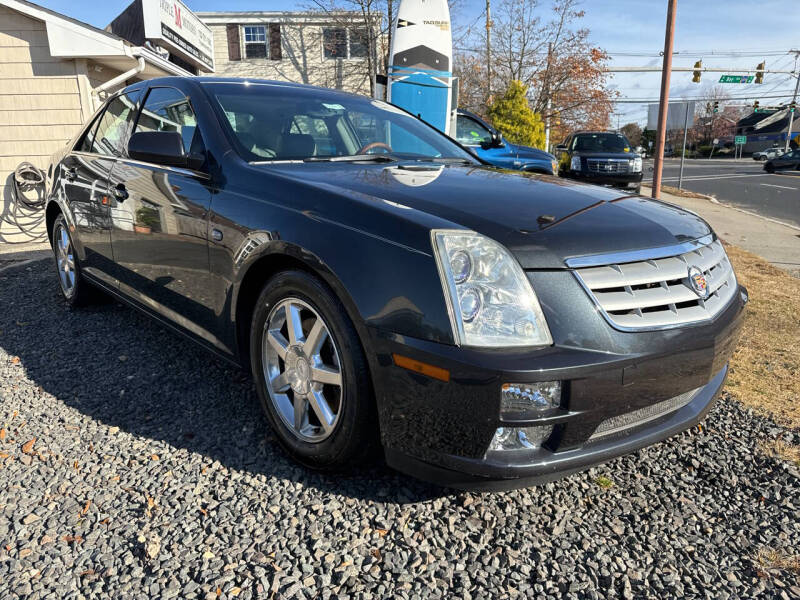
317, 128
471, 133
85, 144
114, 126
167, 109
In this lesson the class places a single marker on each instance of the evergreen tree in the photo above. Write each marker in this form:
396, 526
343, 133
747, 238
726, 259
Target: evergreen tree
511, 114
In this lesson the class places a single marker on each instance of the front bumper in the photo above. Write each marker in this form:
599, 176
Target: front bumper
622, 180
440, 431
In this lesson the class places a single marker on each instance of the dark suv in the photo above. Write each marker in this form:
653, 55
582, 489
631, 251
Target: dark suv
600, 157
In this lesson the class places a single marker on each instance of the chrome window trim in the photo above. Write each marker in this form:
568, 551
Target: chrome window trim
600, 260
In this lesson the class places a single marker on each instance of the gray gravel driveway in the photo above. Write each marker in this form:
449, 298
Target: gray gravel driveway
134, 465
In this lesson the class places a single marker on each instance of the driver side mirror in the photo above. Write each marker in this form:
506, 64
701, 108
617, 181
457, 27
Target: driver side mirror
495, 141
163, 148
560, 148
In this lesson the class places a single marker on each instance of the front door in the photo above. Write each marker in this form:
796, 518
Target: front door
85, 176
160, 217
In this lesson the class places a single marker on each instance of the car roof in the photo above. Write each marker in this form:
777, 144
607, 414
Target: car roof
200, 81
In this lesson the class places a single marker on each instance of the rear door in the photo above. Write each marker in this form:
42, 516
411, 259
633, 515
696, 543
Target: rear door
159, 233
85, 176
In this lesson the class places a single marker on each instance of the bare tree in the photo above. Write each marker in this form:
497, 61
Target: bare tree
543, 46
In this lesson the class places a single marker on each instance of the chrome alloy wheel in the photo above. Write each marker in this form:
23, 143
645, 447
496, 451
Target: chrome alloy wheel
302, 370
65, 260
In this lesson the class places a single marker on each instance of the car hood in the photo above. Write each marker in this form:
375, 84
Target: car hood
531, 153
625, 155
543, 220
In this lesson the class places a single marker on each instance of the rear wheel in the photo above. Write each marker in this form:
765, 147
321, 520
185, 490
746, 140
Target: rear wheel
311, 373
74, 287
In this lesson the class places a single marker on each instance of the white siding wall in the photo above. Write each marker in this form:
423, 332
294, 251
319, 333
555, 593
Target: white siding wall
40, 103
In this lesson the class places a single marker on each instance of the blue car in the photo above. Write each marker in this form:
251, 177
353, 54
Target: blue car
490, 145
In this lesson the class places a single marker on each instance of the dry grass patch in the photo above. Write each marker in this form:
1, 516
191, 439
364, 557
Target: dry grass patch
765, 369
783, 450
774, 559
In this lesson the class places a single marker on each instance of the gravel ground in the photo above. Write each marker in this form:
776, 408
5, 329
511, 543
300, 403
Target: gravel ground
137, 466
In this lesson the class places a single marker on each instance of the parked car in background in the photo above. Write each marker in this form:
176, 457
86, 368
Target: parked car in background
600, 157
768, 153
390, 294
490, 145
786, 162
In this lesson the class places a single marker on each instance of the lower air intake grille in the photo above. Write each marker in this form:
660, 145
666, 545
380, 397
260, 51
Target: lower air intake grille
643, 415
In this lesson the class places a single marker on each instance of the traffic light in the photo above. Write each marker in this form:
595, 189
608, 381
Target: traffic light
697, 72
716, 106
792, 106
760, 72
755, 106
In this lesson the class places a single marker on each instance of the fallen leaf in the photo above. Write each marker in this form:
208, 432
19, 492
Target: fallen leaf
2, 434
15, 360
75, 466
27, 447
219, 592
86, 572
235, 591
204, 511
113, 430
24, 552
73, 539
86, 507
150, 502
3, 455
154, 457
382, 532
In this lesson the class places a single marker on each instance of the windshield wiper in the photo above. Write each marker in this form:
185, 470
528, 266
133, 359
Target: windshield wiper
352, 158
447, 160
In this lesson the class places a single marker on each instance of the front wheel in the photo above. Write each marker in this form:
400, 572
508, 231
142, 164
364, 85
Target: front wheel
311, 373
74, 287
769, 168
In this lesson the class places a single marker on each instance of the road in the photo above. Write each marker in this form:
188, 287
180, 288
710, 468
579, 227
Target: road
741, 183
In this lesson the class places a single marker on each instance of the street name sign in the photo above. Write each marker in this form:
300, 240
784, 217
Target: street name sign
740, 140
736, 79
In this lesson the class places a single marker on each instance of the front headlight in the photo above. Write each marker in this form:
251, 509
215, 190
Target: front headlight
636, 164
575, 163
490, 300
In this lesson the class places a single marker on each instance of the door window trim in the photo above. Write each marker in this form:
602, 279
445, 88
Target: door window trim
99, 117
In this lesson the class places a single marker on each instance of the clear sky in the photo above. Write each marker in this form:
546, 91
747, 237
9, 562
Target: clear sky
723, 33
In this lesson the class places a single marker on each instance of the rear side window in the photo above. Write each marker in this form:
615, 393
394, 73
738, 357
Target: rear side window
114, 127
167, 109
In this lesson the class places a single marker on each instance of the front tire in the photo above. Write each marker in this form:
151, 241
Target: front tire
769, 168
76, 290
311, 373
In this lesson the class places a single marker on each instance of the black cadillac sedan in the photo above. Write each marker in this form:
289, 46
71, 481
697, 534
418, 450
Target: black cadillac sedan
482, 328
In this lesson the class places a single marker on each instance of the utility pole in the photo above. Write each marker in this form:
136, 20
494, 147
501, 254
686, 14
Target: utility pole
488, 52
794, 99
669, 38
549, 100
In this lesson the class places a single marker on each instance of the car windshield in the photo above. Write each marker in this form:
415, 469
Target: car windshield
280, 123
601, 142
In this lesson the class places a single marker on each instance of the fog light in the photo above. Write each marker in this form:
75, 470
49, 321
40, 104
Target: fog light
519, 438
522, 401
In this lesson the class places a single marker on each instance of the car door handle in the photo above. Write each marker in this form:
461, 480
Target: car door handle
120, 192
70, 174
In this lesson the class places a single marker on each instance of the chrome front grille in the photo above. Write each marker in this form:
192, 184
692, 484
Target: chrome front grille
644, 415
654, 291
607, 165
